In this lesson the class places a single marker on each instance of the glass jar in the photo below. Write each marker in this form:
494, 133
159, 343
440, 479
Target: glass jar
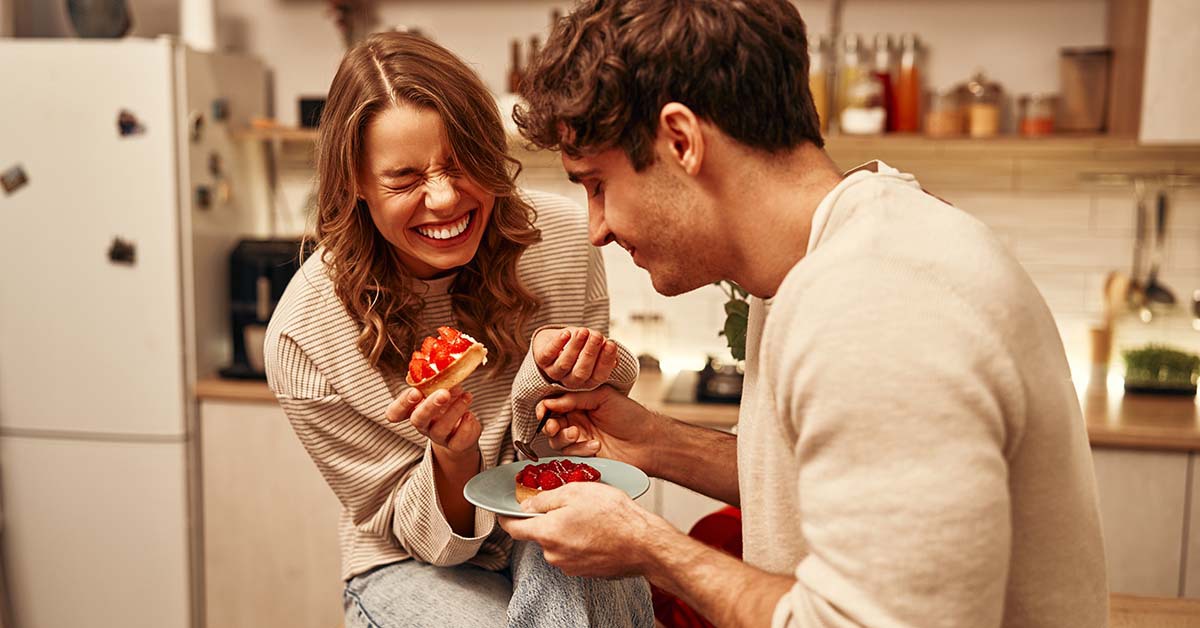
1037, 114
982, 107
945, 116
864, 113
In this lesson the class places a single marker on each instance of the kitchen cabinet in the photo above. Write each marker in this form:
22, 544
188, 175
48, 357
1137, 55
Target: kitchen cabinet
1172, 77
1191, 572
1143, 498
271, 556
1156, 50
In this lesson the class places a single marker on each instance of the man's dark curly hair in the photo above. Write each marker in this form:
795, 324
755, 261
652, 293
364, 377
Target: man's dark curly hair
610, 66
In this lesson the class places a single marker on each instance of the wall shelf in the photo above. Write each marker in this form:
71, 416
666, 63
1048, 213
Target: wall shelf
1002, 164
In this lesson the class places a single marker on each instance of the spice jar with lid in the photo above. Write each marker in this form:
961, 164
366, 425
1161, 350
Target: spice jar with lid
982, 100
1037, 114
864, 113
944, 117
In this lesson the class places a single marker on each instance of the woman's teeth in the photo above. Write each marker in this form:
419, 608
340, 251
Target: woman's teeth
445, 233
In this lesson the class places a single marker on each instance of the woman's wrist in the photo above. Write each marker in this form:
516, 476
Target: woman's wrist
458, 462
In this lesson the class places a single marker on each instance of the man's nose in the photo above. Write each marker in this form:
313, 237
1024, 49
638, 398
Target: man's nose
598, 231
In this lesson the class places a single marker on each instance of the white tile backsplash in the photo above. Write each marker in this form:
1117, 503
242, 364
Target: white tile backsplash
1067, 242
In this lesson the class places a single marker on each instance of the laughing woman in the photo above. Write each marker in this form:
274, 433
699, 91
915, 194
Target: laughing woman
419, 225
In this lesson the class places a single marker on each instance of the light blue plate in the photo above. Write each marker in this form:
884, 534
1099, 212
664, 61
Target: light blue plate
495, 489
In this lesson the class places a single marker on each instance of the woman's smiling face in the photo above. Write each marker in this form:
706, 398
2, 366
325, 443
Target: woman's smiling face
420, 202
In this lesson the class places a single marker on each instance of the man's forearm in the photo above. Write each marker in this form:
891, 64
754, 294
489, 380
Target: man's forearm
698, 458
722, 588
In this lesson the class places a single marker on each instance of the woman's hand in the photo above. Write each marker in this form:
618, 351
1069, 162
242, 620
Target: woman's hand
576, 357
443, 417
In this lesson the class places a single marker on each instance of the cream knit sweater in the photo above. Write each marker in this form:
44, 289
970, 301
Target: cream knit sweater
911, 447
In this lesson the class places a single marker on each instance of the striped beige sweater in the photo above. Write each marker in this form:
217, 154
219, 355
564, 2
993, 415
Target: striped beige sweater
383, 472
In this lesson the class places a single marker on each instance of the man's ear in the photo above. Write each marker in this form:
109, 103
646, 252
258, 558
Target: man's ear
681, 137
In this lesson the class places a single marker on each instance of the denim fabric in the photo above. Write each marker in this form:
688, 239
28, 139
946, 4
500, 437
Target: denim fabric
417, 595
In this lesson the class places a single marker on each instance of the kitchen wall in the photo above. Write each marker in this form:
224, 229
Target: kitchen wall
1068, 241
1016, 42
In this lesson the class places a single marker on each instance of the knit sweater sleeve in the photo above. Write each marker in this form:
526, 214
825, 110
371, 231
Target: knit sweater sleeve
531, 384
384, 481
895, 411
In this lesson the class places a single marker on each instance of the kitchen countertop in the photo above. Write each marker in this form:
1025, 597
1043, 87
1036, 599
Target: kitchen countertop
1114, 419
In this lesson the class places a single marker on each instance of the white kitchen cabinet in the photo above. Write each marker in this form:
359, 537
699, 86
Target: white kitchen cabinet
271, 554
1143, 497
1191, 571
1172, 82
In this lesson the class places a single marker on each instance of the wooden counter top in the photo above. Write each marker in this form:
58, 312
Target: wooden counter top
648, 391
1114, 420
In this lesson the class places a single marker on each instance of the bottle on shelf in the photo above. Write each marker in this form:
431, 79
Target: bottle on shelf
535, 47
908, 86
818, 77
514, 66
883, 69
850, 70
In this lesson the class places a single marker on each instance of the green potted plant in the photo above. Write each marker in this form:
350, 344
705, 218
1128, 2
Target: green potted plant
1160, 369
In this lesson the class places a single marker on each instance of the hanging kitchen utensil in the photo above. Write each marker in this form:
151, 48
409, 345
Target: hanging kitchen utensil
1137, 294
1156, 292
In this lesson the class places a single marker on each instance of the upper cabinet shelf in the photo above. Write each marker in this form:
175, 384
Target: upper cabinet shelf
1057, 163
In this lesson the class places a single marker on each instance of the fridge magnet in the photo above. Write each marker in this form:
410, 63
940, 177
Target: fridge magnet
215, 165
220, 110
122, 252
203, 197
128, 124
196, 125
13, 179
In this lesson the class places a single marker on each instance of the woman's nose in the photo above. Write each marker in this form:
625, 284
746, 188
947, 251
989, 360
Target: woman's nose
440, 193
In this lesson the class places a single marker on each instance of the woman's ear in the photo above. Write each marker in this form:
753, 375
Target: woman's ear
681, 137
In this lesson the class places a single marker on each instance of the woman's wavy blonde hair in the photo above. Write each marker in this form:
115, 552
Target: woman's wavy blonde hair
489, 300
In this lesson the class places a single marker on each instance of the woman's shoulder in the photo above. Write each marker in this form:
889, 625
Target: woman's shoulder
309, 301
561, 258
556, 214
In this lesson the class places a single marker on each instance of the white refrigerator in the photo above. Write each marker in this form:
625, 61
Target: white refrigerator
121, 200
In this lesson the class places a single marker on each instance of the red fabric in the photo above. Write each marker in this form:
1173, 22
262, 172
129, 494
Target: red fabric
722, 530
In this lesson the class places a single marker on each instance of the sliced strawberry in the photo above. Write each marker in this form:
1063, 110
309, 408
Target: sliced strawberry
416, 368
441, 355
548, 480
530, 481
588, 472
557, 466
427, 372
427, 345
459, 344
576, 475
448, 333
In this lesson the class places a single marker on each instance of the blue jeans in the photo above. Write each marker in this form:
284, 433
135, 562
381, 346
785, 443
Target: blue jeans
531, 594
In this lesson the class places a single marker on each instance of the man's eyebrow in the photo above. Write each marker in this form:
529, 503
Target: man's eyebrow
575, 176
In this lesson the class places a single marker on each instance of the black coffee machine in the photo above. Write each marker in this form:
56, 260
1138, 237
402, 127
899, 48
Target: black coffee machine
259, 272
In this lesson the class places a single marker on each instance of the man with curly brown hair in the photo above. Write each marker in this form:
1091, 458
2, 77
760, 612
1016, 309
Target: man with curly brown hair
910, 450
